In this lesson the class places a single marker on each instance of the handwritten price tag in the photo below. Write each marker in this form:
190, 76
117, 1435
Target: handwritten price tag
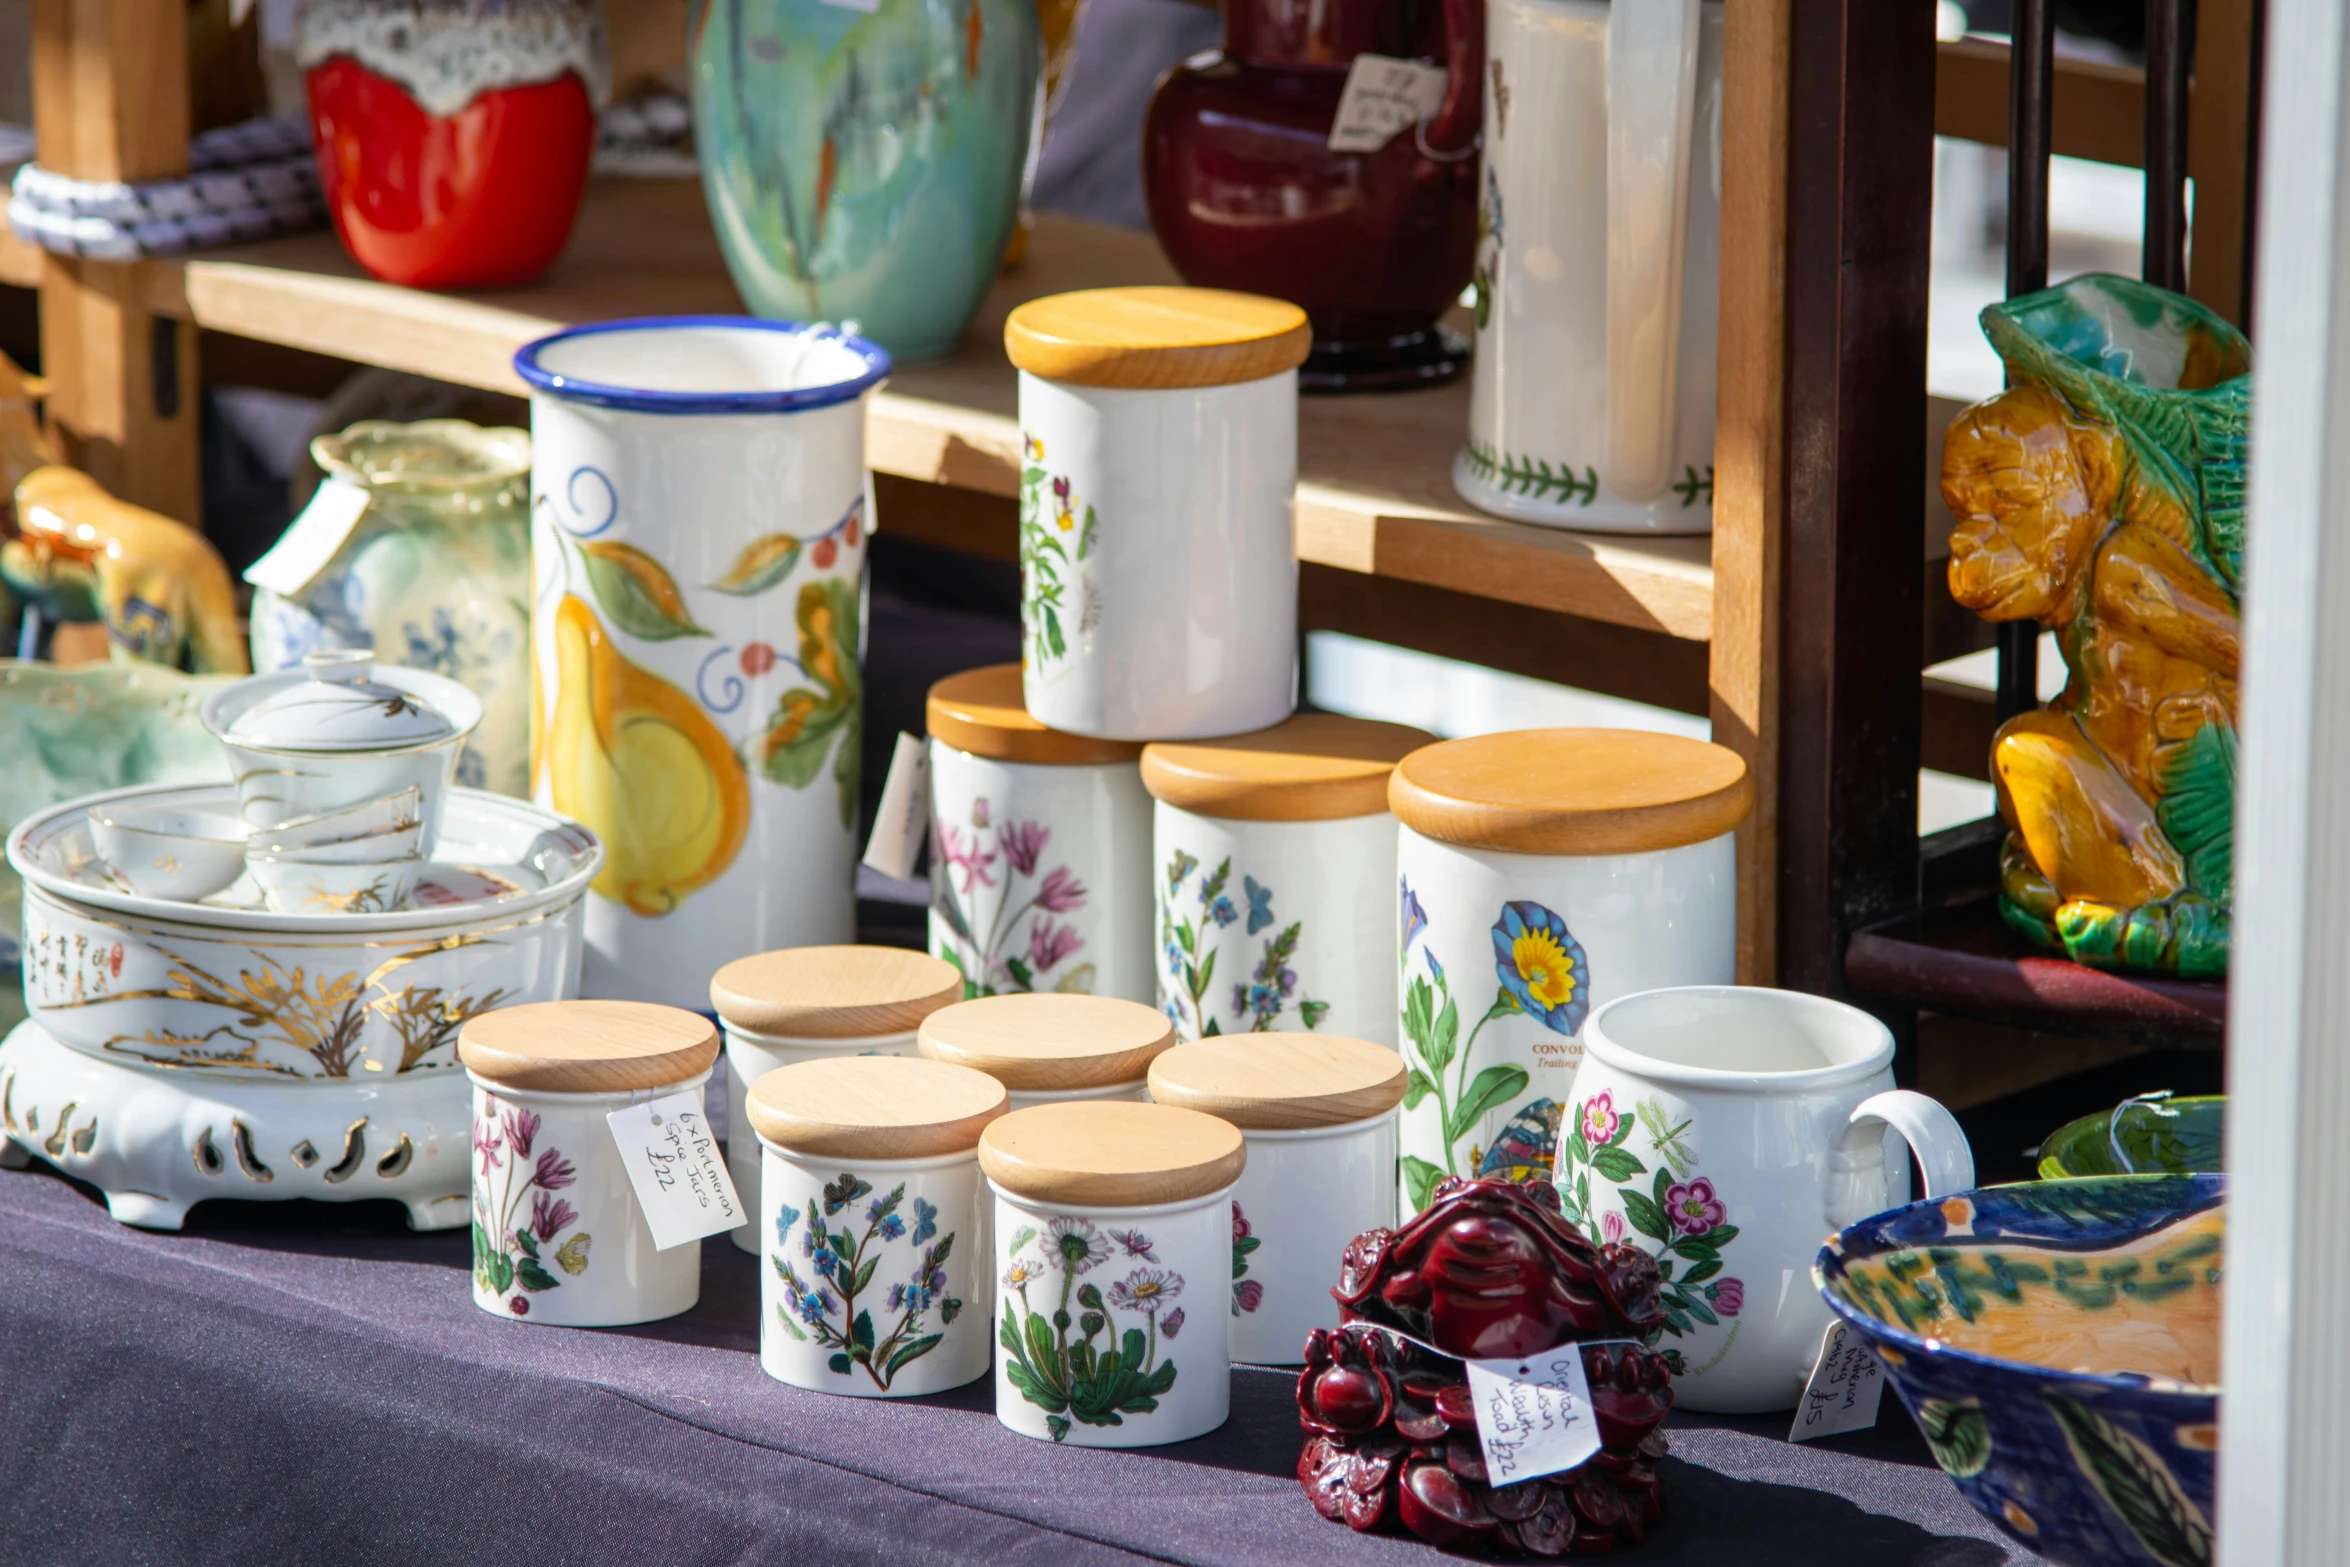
901, 823
1383, 95
1846, 1382
676, 1168
1533, 1414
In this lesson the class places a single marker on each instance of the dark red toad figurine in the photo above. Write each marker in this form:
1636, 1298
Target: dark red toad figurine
1490, 1269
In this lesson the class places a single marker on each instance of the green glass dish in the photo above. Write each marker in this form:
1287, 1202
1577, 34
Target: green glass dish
2147, 1136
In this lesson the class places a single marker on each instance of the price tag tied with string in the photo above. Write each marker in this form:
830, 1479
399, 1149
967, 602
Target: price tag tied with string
676, 1168
1383, 96
1846, 1383
1534, 1414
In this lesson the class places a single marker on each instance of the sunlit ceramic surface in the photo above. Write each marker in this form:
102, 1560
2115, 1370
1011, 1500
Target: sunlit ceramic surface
2147, 1136
2058, 1344
165, 852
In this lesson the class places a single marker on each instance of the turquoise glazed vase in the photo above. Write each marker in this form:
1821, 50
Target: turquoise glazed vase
862, 158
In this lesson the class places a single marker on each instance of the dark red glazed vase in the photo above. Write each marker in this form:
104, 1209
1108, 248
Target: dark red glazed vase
1245, 193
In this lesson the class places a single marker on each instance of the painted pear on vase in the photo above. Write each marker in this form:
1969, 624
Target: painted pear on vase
637, 761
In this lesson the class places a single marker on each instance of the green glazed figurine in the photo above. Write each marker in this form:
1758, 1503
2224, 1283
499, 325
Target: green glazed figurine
2102, 495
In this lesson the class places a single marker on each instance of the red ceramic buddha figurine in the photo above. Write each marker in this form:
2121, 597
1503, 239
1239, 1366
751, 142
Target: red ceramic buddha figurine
1245, 192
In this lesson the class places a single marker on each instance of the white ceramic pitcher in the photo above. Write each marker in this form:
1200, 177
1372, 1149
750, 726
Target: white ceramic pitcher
1726, 1130
1592, 397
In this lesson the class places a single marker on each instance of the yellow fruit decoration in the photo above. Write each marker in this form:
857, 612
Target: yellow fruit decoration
636, 760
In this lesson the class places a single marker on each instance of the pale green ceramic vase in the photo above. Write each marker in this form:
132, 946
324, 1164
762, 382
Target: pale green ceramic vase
862, 158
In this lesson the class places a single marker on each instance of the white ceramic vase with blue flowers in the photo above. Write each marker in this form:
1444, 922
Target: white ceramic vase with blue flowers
1540, 873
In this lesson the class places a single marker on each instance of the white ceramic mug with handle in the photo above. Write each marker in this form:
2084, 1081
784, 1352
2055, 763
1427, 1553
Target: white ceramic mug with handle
1592, 394
1726, 1130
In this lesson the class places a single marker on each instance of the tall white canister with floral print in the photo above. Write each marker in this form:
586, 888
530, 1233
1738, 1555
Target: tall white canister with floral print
558, 1236
698, 522
1040, 847
1050, 1049
874, 1222
1113, 1244
1158, 578
1542, 872
1318, 1115
808, 1004
1275, 853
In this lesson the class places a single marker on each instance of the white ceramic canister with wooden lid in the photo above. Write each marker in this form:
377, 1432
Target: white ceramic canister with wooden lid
1543, 872
807, 1004
1158, 578
1275, 856
1113, 1238
1319, 1117
874, 1221
1049, 1049
557, 1233
1040, 847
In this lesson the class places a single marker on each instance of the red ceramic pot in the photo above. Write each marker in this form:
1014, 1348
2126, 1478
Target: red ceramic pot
1244, 192
482, 198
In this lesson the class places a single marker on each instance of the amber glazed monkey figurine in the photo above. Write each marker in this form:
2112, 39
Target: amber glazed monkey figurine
2102, 495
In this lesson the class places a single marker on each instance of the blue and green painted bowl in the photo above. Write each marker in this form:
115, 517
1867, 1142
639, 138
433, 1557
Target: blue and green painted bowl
2058, 1344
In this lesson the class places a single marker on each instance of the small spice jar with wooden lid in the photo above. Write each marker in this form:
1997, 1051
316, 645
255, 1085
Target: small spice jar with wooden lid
1158, 580
875, 1225
807, 1004
1276, 860
1543, 872
1113, 1236
1051, 1048
557, 1233
1040, 847
1319, 1118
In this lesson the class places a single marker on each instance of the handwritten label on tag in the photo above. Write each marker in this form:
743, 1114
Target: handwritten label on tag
1533, 1414
902, 820
1846, 1382
676, 1167
310, 540
1383, 95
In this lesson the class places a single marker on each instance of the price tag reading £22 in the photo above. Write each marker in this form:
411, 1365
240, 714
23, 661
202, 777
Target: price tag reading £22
1534, 1414
676, 1168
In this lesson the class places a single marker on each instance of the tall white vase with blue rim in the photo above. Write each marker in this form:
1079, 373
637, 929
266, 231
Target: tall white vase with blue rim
699, 510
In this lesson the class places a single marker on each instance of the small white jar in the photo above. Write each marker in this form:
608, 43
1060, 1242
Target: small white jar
557, 1234
808, 1004
876, 1157
1040, 848
1158, 578
1275, 855
1051, 1049
1319, 1117
1119, 1217
1543, 872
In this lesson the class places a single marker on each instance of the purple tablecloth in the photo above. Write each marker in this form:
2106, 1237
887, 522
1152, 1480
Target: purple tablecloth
300, 1383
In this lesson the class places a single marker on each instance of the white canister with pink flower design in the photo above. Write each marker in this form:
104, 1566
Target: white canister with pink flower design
1040, 848
811, 1004
557, 1234
1541, 872
1318, 1116
1113, 1234
1725, 1130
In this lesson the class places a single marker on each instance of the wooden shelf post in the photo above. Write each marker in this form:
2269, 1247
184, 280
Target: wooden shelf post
110, 102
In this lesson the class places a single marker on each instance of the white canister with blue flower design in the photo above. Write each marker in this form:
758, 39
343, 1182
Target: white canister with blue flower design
1275, 854
874, 1224
1542, 872
1113, 1255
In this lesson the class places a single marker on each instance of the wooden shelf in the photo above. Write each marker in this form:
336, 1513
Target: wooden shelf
1374, 493
1963, 960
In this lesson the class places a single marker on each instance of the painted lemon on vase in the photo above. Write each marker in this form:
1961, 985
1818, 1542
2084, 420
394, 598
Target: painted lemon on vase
636, 760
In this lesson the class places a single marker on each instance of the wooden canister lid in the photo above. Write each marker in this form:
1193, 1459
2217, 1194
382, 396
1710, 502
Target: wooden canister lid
1280, 1081
1572, 791
875, 1107
982, 711
833, 992
1309, 767
1049, 1042
1111, 1153
1157, 337
587, 1047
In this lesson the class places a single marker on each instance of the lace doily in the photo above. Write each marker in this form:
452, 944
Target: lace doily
446, 53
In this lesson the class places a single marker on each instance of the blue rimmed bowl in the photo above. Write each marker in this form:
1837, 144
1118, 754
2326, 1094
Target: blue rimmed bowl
2058, 1344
